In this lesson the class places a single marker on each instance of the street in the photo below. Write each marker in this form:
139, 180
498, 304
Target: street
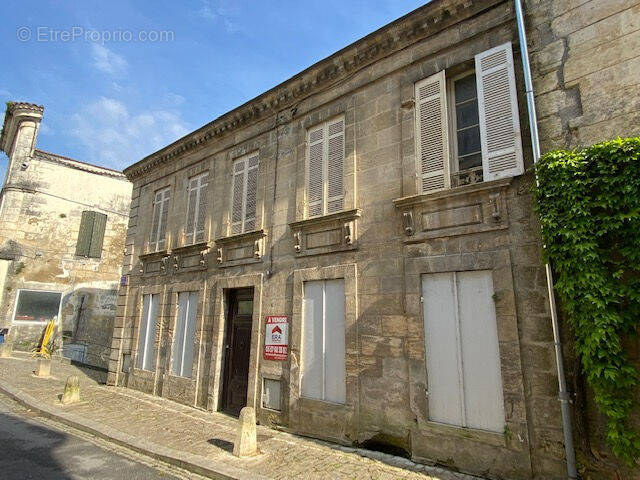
34, 448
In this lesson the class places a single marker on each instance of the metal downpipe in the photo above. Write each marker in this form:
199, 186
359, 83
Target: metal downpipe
563, 394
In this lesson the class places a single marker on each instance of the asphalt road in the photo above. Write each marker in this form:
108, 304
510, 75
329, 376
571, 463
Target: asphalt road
35, 448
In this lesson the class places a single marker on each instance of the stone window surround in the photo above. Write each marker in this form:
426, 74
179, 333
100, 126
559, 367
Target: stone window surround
171, 309
218, 311
296, 403
148, 375
499, 262
342, 107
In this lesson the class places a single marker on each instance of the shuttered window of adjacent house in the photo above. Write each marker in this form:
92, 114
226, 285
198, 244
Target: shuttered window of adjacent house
244, 192
478, 136
158, 239
91, 234
196, 209
461, 343
325, 168
323, 340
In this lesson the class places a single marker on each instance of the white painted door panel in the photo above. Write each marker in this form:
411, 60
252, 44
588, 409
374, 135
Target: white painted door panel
312, 341
335, 369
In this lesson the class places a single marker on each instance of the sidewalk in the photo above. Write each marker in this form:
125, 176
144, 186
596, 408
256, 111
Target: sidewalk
193, 439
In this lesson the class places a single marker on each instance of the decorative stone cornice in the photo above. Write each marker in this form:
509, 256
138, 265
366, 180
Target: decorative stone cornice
16, 113
413, 27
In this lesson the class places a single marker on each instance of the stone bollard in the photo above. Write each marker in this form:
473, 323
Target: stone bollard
5, 349
43, 367
71, 391
246, 444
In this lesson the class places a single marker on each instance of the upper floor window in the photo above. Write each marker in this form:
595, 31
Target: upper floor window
158, 240
196, 209
244, 193
467, 126
325, 168
91, 234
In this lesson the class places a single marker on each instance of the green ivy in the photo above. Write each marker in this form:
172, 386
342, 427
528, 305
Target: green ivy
589, 206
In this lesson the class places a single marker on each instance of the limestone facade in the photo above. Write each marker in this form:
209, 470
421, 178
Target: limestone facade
42, 204
385, 239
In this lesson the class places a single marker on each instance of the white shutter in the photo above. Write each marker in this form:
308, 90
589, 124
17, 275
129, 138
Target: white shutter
164, 212
202, 208
237, 196
432, 145
335, 166
155, 220
315, 170
498, 109
250, 194
191, 209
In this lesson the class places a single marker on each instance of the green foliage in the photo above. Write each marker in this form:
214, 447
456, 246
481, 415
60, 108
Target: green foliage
589, 206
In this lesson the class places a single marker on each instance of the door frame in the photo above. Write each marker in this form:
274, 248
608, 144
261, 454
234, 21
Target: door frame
219, 309
233, 295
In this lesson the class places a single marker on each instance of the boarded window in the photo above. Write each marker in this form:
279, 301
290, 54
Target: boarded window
196, 209
91, 234
461, 343
325, 168
157, 240
323, 355
271, 394
147, 332
184, 335
244, 193
37, 306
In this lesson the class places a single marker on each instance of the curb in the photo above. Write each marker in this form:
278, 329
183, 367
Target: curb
193, 463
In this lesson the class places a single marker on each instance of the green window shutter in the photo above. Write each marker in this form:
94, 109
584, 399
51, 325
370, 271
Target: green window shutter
84, 235
97, 235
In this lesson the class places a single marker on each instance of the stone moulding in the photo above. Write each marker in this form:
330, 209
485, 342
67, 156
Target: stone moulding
154, 263
190, 257
474, 208
424, 22
336, 232
240, 249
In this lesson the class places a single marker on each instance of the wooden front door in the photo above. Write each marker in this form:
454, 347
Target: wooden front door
237, 349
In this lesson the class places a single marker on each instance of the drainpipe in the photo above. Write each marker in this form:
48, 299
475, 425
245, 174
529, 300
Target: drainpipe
563, 394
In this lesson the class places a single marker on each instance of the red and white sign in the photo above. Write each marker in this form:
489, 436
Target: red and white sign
276, 337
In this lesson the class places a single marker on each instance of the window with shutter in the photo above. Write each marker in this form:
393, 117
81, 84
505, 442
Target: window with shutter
196, 209
244, 194
91, 234
158, 240
498, 107
432, 145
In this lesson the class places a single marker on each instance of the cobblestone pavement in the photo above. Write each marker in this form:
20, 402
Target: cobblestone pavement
208, 435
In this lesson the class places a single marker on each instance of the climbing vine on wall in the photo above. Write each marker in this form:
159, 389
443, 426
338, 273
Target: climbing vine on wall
589, 206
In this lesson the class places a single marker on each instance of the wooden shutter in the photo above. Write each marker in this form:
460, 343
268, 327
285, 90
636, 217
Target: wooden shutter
84, 234
315, 172
202, 208
97, 235
335, 166
250, 194
192, 192
162, 227
498, 108
432, 145
237, 196
155, 221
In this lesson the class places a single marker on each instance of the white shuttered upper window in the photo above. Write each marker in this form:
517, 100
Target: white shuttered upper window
325, 168
447, 138
461, 343
196, 209
158, 239
323, 340
244, 194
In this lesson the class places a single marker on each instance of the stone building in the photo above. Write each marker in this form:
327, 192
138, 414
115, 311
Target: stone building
354, 252
62, 229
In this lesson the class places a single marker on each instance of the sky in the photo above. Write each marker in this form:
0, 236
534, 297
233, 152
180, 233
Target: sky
121, 79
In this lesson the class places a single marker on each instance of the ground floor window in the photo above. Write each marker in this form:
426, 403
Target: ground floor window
184, 335
37, 306
147, 336
323, 339
461, 342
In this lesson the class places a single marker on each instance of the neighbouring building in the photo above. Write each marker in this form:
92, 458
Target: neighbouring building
62, 230
354, 252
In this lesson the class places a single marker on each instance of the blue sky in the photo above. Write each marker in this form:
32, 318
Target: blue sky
112, 101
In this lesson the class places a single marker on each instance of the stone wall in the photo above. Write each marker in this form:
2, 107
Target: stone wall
371, 84
42, 203
585, 72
